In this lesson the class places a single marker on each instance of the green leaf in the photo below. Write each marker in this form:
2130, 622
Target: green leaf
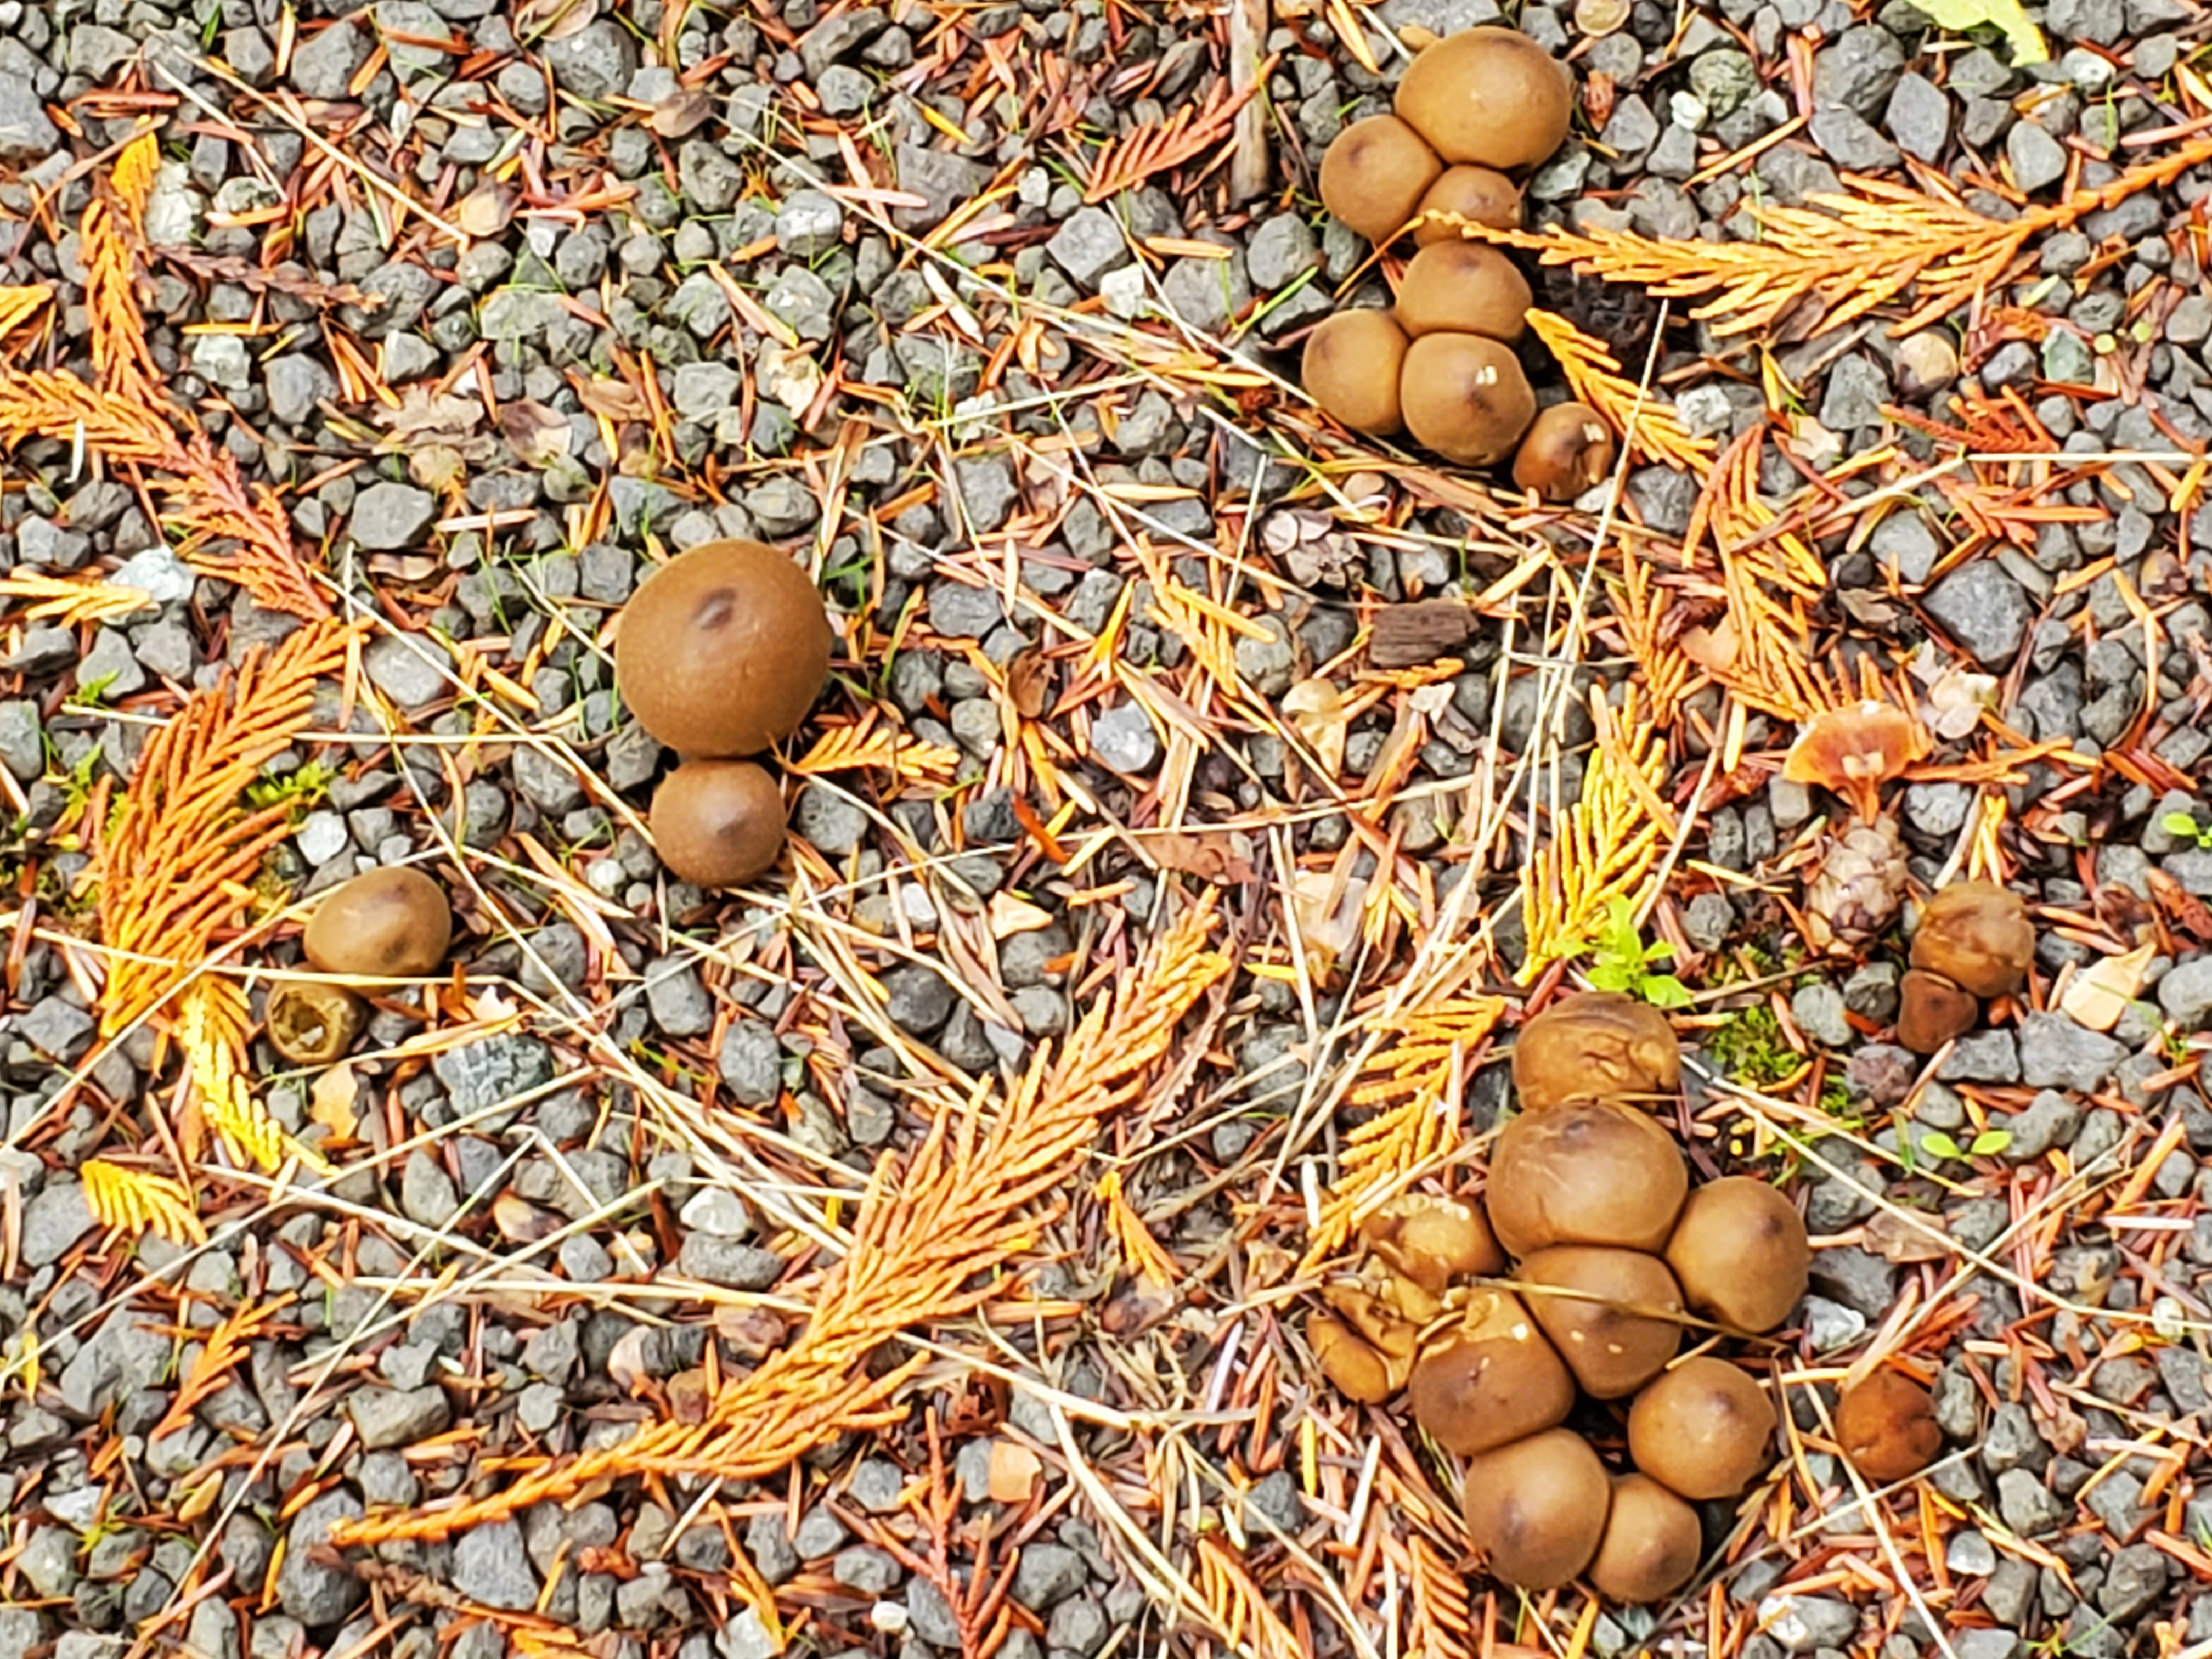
2179, 824
1991, 1142
1610, 976
1665, 991
2019, 32
1940, 1145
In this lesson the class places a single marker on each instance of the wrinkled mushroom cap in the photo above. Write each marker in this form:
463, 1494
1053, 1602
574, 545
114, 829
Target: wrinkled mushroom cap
1537, 1507
1373, 175
1568, 452
718, 823
1931, 1010
1887, 1426
311, 1023
1350, 1361
1740, 1253
1491, 96
1463, 288
1702, 1430
1606, 1313
1977, 935
1492, 1379
1432, 1241
723, 650
1600, 1043
386, 924
1481, 196
1587, 1172
1351, 367
1652, 1543
1464, 397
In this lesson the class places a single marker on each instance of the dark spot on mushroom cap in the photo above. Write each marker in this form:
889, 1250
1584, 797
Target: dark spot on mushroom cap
723, 650
1602, 1044
1887, 1426
1651, 1546
1568, 452
1587, 1172
1491, 1379
311, 1023
1373, 173
386, 924
1463, 288
1606, 1311
1351, 367
1537, 1507
1464, 397
1349, 1361
1931, 1010
1740, 1253
1480, 195
1491, 96
1432, 1241
1977, 935
1702, 1430
717, 822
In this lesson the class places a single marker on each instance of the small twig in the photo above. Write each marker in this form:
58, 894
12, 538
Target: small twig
1250, 168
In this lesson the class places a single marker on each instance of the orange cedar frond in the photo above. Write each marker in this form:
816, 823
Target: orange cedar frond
72, 601
874, 745
1195, 129
1441, 1625
1603, 847
1140, 1252
108, 248
141, 1200
226, 1347
1646, 422
208, 501
44, 404
1239, 1606
1640, 611
18, 304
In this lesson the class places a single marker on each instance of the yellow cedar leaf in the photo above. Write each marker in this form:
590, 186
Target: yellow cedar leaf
871, 746
19, 304
1604, 846
72, 602
140, 1200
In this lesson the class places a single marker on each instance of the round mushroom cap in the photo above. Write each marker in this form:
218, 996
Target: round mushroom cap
1608, 1312
1568, 452
1351, 367
1931, 1010
1480, 195
1599, 1043
1491, 96
1589, 1172
1977, 935
1373, 175
311, 1023
717, 822
1652, 1543
1740, 1253
1463, 288
387, 924
1702, 1430
723, 650
1348, 1360
1537, 1507
1492, 1379
1887, 1426
1432, 1241
1464, 397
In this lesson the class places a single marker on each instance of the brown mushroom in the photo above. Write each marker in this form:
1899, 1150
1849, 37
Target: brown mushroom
1589, 1172
311, 1023
392, 923
1887, 1426
1608, 1312
1463, 288
1464, 397
1651, 1546
717, 822
1373, 175
1432, 1241
723, 650
1740, 1253
1379, 1322
1353, 366
1854, 750
1491, 96
1600, 1043
1491, 1379
1350, 1361
1931, 1010
1977, 935
1568, 453
1702, 1430
1474, 196
1536, 1508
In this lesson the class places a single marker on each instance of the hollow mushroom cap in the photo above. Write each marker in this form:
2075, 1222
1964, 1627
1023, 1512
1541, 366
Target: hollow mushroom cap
1373, 175
1537, 1507
392, 923
1490, 96
1432, 1241
1463, 288
1464, 397
1606, 1313
1855, 748
1702, 1430
1568, 452
1740, 1253
1492, 1379
717, 822
723, 650
1351, 367
1599, 1043
1651, 1546
1977, 935
312, 1024
1481, 196
1587, 1172
1931, 1010
1350, 1361
1887, 1426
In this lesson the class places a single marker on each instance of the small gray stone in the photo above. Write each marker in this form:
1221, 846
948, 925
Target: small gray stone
1984, 609
1048, 1575
2037, 158
2055, 1053
27, 136
491, 1566
1282, 250
55, 1218
1123, 738
751, 1063
323, 64
411, 670
2185, 993
397, 1417
387, 516
1802, 1623
1088, 246
1851, 141
596, 62
864, 1568
809, 223
728, 1261
1818, 1009
918, 998
315, 1595
1919, 118
944, 181
2027, 1506
1856, 391
22, 739
703, 390
828, 821
427, 1192
493, 1070
677, 997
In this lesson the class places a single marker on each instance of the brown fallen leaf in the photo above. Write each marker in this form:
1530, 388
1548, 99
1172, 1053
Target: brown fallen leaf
1014, 1471
1029, 681
539, 436
1316, 707
617, 400
626, 1362
521, 1222
486, 210
2184, 911
1894, 1238
681, 113
1214, 856
329, 1101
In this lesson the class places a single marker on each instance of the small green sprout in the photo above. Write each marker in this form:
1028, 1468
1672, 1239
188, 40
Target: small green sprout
1624, 959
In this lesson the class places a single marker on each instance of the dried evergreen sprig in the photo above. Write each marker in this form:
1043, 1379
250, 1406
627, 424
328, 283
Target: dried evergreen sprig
1640, 612
1239, 1608
1442, 1625
107, 241
1646, 423
1201, 128
929, 1238
1604, 846
70, 602
141, 1200
213, 1025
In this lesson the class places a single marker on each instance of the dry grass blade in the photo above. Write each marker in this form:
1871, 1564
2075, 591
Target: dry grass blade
140, 1200
1648, 425
1202, 128
72, 602
1606, 846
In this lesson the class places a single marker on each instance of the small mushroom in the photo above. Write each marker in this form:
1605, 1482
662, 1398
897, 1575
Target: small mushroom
717, 822
1379, 1321
1350, 1361
1740, 1253
1475, 196
1600, 1043
1491, 96
392, 923
1651, 1546
1373, 175
1568, 453
312, 1024
723, 650
1463, 288
1854, 750
1608, 1312
1702, 1430
1931, 1010
1464, 397
1493, 1378
1352, 365
1432, 1241
1977, 935
1887, 1426
1536, 1508
1589, 1172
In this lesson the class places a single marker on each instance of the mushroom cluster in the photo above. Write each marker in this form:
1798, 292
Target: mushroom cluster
1573, 1280
720, 655
1975, 942
387, 925
1476, 110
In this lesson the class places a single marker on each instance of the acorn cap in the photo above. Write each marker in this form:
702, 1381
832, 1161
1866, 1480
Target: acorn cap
1373, 173
311, 1023
1464, 397
1652, 1543
1491, 96
723, 650
1607, 1312
1480, 195
1492, 1379
1587, 1172
1599, 1043
1463, 288
1740, 1253
1931, 1010
1887, 1426
392, 923
1352, 367
1704, 1429
1977, 935
1568, 452
1537, 1507
717, 822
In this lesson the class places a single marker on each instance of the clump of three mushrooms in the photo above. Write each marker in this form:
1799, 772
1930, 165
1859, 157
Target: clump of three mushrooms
385, 925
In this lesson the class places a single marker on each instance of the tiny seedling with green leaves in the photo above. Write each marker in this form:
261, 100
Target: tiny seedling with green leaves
2185, 826
1624, 961
1988, 1144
